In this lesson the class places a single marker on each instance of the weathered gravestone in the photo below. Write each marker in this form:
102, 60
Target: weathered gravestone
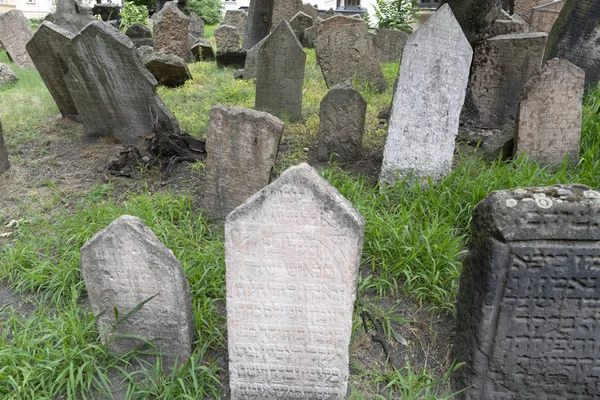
575, 36
170, 29
299, 23
345, 49
202, 50
328, 14
113, 91
251, 65
14, 35
71, 15
501, 66
308, 39
140, 35
125, 266
196, 27
168, 69
7, 75
107, 11
528, 307
236, 18
47, 49
549, 117
544, 16
389, 44
292, 253
508, 26
429, 94
309, 9
227, 38
280, 74
242, 147
342, 124
258, 22
4, 164
285, 10
475, 16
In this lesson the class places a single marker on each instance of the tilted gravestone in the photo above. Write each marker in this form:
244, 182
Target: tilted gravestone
236, 18
574, 37
501, 66
14, 35
140, 35
285, 10
389, 44
527, 311
292, 253
125, 266
280, 74
4, 163
242, 147
308, 38
299, 23
549, 117
71, 15
345, 49
47, 49
168, 69
429, 94
251, 65
508, 26
196, 27
227, 38
544, 16
342, 124
113, 91
475, 16
203, 50
7, 75
309, 9
170, 29
258, 22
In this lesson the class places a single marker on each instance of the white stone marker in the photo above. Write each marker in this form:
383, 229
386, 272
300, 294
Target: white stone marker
292, 253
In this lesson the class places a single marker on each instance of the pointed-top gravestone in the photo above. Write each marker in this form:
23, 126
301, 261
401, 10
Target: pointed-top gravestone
285, 10
299, 23
258, 22
292, 253
125, 266
14, 35
251, 65
309, 9
280, 74
71, 15
140, 35
47, 50
171, 28
389, 44
429, 95
475, 16
196, 27
113, 91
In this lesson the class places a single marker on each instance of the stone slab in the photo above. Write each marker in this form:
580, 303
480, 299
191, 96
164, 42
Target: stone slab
475, 16
227, 38
14, 35
251, 65
233, 59
236, 18
4, 163
389, 44
168, 69
196, 27
71, 15
258, 23
170, 28
299, 23
202, 50
544, 16
7, 75
285, 10
140, 35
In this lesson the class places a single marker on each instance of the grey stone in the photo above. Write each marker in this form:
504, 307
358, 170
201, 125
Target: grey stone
292, 253
501, 66
47, 49
236, 18
241, 148
281, 63
285, 10
227, 38
429, 94
170, 29
527, 315
196, 27
168, 69
544, 16
14, 35
299, 23
234, 58
120, 100
575, 35
309, 9
251, 65
203, 50
389, 44
475, 16
327, 14
258, 23
125, 265
491, 143
71, 15
345, 50
7, 76
511, 26
4, 163
140, 35
308, 39
238, 74
342, 124
549, 117
107, 11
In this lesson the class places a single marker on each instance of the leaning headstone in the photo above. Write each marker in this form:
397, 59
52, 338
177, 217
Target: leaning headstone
574, 37
234, 58
345, 49
113, 101
71, 15
328, 14
203, 50
258, 22
196, 27
501, 66
126, 268
342, 124
308, 39
309, 9
236, 18
299, 23
429, 94
475, 16
227, 38
4, 163
527, 311
549, 117
285, 10
140, 35
292, 253
171, 31
47, 49
242, 147
14, 35
7, 75
251, 65
544, 16
389, 44
168, 69
280, 74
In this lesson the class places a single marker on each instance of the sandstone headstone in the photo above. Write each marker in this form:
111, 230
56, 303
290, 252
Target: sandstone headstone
549, 117
501, 66
7, 75
71, 15
280, 74
227, 38
342, 124
196, 27
429, 94
309, 9
251, 65
475, 16
308, 39
4, 163
258, 22
168, 69
14, 35
389, 44
242, 147
125, 265
170, 29
140, 35
527, 312
575, 35
236, 18
544, 16
285, 10
299, 23
292, 253
113, 91
524, 8
344, 50
202, 50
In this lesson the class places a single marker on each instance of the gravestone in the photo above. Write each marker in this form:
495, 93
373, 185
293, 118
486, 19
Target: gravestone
328, 14
107, 11
168, 69
475, 16
196, 26
14, 35
342, 124
241, 148
280, 74
140, 35
527, 311
227, 38
4, 163
170, 29
389, 44
299, 23
125, 265
285, 10
292, 253
501, 66
71, 15
234, 58
7, 75
549, 117
344, 50
258, 22
309, 9
202, 50
47, 49
544, 16
236, 18
113, 91
575, 35
429, 94
308, 39
509, 26
251, 65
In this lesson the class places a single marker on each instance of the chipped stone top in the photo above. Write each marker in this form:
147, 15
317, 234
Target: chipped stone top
512, 36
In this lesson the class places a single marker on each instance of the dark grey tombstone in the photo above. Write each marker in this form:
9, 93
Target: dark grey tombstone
47, 50
196, 27
528, 306
475, 16
203, 50
113, 91
233, 59
299, 23
107, 11
309, 9
71, 15
280, 75
308, 39
258, 23
389, 44
4, 164
251, 65
140, 35
14, 34
168, 69
285, 10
